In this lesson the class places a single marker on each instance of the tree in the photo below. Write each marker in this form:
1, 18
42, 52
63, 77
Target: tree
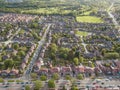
51, 84
113, 55
43, 78
94, 59
76, 61
16, 46
103, 51
68, 77
0, 58
21, 53
64, 88
53, 47
53, 56
77, 54
74, 88
34, 25
71, 55
27, 87
38, 85
55, 76
118, 49
92, 64
81, 59
17, 58
35, 35
8, 63
80, 77
64, 52
1, 80
34, 75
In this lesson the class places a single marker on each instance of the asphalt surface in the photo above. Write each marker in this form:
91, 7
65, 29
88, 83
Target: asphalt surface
36, 54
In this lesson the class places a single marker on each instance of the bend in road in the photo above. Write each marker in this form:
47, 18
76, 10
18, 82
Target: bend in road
113, 19
84, 45
10, 39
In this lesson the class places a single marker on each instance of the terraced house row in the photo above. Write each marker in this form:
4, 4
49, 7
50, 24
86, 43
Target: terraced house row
100, 69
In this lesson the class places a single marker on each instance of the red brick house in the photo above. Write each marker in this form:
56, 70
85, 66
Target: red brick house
43, 71
89, 71
14, 72
79, 70
66, 71
55, 70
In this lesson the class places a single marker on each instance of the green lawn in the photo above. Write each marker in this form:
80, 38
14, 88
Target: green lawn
10, 80
47, 11
89, 19
42, 10
81, 33
86, 13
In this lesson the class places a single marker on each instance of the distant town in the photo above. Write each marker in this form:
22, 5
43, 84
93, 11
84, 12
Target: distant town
59, 49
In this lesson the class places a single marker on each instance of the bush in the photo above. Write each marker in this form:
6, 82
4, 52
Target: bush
1, 80
80, 77
51, 84
68, 77
10, 80
43, 78
27, 87
55, 76
38, 85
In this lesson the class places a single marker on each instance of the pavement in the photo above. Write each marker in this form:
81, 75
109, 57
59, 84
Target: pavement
113, 19
26, 74
83, 43
14, 85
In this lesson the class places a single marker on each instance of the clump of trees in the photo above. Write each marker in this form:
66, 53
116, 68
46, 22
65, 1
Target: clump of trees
38, 85
51, 83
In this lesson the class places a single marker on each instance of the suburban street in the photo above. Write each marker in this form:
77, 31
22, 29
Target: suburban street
83, 43
14, 85
10, 39
113, 19
26, 74
60, 45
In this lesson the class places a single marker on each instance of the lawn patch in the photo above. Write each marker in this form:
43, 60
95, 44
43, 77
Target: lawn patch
89, 19
81, 33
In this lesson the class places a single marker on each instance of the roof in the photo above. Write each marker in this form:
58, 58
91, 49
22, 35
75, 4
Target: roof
66, 69
55, 69
43, 70
79, 68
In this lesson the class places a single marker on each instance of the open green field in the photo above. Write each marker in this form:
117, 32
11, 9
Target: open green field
89, 19
47, 11
42, 10
86, 13
81, 33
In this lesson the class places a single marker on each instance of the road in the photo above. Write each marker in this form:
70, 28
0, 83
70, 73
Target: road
83, 43
105, 83
14, 85
10, 39
113, 19
26, 74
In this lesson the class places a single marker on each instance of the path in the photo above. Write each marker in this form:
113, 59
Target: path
83, 43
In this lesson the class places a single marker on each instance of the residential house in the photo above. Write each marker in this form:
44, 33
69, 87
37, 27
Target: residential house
79, 69
23, 65
89, 71
14, 72
37, 66
66, 71
5, 73
54, 70
43, 71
